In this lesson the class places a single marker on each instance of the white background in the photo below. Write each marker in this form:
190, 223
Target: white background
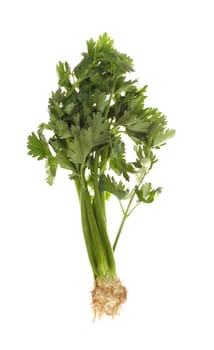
165, 256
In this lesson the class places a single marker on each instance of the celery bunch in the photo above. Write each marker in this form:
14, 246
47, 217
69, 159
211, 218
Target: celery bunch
91, 114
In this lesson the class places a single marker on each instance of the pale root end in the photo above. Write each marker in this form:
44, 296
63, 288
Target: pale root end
107, 297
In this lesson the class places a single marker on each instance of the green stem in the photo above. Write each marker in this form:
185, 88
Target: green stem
125, 215
127, 212
121, 206
98, 247
88, 237
78, 186
90, 246
100, 214
136, 205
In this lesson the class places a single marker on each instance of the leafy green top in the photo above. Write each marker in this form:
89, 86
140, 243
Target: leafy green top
93, 108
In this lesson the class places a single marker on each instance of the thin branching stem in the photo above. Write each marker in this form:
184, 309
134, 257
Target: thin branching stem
127, 212
121, 206
136, 205
125, 215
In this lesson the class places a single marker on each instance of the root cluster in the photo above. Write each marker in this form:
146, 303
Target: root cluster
107, 297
